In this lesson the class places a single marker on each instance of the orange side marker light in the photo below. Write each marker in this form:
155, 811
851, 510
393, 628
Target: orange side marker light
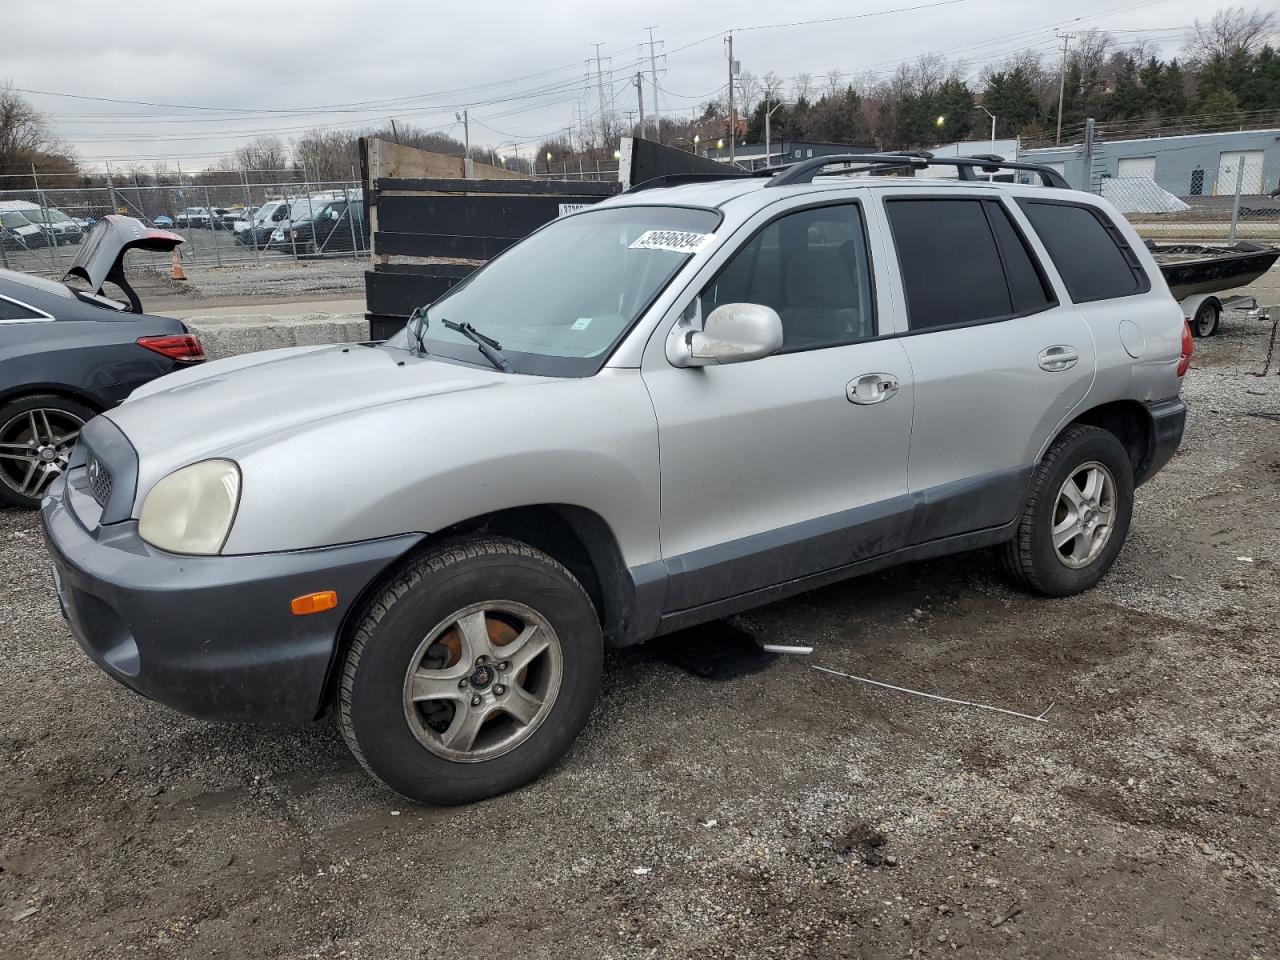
314, 602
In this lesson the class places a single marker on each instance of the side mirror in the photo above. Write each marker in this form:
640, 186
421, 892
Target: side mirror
733, 333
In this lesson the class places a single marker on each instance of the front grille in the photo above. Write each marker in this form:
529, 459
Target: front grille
99, 481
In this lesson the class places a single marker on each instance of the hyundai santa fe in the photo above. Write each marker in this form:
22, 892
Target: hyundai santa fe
685, 401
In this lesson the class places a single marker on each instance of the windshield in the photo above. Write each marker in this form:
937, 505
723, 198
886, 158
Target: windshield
264, 211
14, 220
560, 300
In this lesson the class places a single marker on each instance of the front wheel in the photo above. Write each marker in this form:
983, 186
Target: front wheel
472, 673
1077, 514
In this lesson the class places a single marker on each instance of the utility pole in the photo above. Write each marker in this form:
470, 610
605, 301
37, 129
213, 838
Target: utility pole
1062, 82
640, 98
394, 135
600, 83
733, 114
653, 77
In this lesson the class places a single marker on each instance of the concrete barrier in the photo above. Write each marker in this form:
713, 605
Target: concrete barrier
227, 336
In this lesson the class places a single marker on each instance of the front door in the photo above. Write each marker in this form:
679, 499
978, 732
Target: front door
786, 466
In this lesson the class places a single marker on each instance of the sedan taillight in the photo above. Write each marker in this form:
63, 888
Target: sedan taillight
182, 347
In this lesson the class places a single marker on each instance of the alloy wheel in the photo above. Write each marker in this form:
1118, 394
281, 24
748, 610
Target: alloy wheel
1084, 515
35, 447
483, 680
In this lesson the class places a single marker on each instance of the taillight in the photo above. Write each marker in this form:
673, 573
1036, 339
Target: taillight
1188, 347
182, 347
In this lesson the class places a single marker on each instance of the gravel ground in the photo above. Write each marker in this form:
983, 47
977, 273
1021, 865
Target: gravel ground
788, 814
274, 278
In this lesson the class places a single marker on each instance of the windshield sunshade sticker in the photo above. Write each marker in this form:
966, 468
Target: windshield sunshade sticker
676, 241
581, 323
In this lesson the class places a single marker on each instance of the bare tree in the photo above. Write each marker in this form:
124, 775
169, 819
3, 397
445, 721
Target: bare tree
1229, 31
771, 87
802, 86
1089, 52
749, 89
25, 140
834, 84
264, 158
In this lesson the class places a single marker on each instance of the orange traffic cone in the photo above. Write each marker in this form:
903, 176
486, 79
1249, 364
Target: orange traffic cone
177, 273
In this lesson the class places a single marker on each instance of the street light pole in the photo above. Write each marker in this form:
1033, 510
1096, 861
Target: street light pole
991, 176
768, 114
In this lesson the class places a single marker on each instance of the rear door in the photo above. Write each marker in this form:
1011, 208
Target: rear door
999, 355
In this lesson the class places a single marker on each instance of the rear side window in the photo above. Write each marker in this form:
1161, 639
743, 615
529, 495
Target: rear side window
1028, 288
13, 311
954, 254
1093, 258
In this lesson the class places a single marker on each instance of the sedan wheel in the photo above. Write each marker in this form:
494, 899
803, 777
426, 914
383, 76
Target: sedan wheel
35, 447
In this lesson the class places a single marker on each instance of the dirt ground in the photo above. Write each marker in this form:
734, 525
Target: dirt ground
789, 814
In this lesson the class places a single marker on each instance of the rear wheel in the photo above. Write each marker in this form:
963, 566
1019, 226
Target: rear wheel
1077, 514
472, 673
1205, 322
37, 435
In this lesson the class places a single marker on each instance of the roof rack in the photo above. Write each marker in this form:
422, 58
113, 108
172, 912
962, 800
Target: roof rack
675, 179
806, 170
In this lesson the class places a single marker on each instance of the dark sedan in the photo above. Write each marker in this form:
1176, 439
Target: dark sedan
69, 353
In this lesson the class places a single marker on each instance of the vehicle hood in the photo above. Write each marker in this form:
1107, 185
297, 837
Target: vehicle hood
230, 405
102, 254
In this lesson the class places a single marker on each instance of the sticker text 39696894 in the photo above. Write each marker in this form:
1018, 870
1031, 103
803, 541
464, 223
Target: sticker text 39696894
677, 241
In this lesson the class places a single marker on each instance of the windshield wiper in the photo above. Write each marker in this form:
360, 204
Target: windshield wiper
490, 347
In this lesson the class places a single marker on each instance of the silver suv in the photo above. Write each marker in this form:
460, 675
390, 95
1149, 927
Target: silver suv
683, 402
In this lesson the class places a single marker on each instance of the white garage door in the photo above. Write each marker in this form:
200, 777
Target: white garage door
1137, 167
1230, 162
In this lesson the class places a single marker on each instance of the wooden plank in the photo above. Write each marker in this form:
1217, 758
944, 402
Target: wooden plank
436, 245
489, 216
518, 187
396, 160
430, 269
396, 294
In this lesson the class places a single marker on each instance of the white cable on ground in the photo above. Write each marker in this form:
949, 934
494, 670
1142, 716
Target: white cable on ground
934, 696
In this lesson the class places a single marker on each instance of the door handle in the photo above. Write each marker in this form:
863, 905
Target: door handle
1057, 358
871, 388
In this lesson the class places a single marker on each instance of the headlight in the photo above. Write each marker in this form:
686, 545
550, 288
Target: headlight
192, 509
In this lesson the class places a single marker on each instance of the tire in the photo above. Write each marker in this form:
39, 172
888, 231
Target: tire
1031, 557
53, 423
1205, 322
428, 623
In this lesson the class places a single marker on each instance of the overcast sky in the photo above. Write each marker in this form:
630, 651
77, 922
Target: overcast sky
279, 66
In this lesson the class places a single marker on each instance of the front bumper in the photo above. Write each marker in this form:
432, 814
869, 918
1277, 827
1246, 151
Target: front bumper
213, 637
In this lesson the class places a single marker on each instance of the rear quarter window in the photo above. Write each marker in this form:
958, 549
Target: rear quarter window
11, 310
1093, 258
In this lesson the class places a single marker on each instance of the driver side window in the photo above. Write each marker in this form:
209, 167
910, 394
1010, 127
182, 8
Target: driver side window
812, 267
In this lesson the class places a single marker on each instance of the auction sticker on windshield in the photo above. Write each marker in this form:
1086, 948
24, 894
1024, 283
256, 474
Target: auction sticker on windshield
677, 241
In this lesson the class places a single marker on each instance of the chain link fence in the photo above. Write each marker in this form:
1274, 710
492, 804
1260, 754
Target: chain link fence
41, 229
1225, 205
